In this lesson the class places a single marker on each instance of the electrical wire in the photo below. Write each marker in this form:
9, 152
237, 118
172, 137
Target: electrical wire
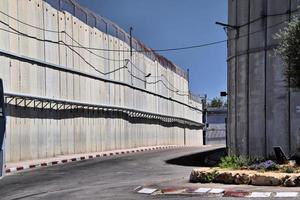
53, 42
169, 83
265, 16
106, 73
81, 46
154, 50
88, 63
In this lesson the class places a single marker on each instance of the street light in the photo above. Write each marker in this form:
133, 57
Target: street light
147, 76
223, 94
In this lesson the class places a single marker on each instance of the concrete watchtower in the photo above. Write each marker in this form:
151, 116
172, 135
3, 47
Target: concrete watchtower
263, 112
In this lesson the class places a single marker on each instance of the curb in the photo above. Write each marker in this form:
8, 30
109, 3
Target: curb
210, 192
11, 170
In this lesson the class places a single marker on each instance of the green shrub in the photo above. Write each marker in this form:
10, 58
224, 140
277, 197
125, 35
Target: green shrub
210, 176
288, 49
289, 169
233, 162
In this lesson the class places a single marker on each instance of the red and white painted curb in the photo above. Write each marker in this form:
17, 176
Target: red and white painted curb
88, 157
214, 192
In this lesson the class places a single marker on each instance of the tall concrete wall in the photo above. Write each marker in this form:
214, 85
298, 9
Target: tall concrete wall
262, 110
35, 132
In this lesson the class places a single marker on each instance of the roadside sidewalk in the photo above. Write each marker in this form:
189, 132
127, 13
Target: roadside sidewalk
183, 187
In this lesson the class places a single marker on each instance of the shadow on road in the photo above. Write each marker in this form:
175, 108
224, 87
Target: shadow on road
203, 159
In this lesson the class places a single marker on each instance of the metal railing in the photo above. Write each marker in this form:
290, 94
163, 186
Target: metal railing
108, 27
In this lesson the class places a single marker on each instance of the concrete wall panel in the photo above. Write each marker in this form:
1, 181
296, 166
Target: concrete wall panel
257, 135
272, 118
70, 130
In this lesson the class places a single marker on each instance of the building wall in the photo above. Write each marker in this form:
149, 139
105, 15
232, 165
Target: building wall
35, 132
262, 110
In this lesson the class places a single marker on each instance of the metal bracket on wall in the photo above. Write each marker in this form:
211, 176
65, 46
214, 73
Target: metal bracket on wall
56, 104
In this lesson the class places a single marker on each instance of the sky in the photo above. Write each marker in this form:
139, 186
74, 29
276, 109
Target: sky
161, 24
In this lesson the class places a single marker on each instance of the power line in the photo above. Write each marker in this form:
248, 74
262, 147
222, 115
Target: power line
81, 46
154, 50
105, 73
16, 32
88, 63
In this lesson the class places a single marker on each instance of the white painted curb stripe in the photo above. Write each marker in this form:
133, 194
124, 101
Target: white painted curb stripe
260, 194
26, 167
38, 165
147, 190
286, 194
13, 169
216, 191
202, 190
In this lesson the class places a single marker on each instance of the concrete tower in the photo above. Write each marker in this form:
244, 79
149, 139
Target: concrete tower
263, 112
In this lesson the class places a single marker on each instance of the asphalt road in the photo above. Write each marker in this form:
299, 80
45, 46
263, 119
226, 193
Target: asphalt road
103, 178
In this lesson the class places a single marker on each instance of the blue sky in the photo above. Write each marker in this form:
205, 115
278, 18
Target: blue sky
175, 23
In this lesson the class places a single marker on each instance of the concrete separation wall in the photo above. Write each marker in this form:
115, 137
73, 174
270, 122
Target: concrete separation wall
47, 53
262, 110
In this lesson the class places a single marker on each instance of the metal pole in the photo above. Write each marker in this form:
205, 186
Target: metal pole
130, 32
188, 77
131, 29
2, 129
204, 118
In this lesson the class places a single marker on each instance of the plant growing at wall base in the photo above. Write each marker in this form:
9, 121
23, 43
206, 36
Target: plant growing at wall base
233, 162
289, 50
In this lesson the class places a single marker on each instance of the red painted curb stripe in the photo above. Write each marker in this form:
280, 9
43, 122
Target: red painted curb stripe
20, 168
229, 193
9, 170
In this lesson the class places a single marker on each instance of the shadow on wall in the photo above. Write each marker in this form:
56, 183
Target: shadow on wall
46, 113
203, 159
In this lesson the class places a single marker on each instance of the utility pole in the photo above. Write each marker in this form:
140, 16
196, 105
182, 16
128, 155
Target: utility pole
2, 129
131, 29
204, 118
188, 77
130, 32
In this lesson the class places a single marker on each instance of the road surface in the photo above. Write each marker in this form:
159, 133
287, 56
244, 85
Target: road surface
103, 178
